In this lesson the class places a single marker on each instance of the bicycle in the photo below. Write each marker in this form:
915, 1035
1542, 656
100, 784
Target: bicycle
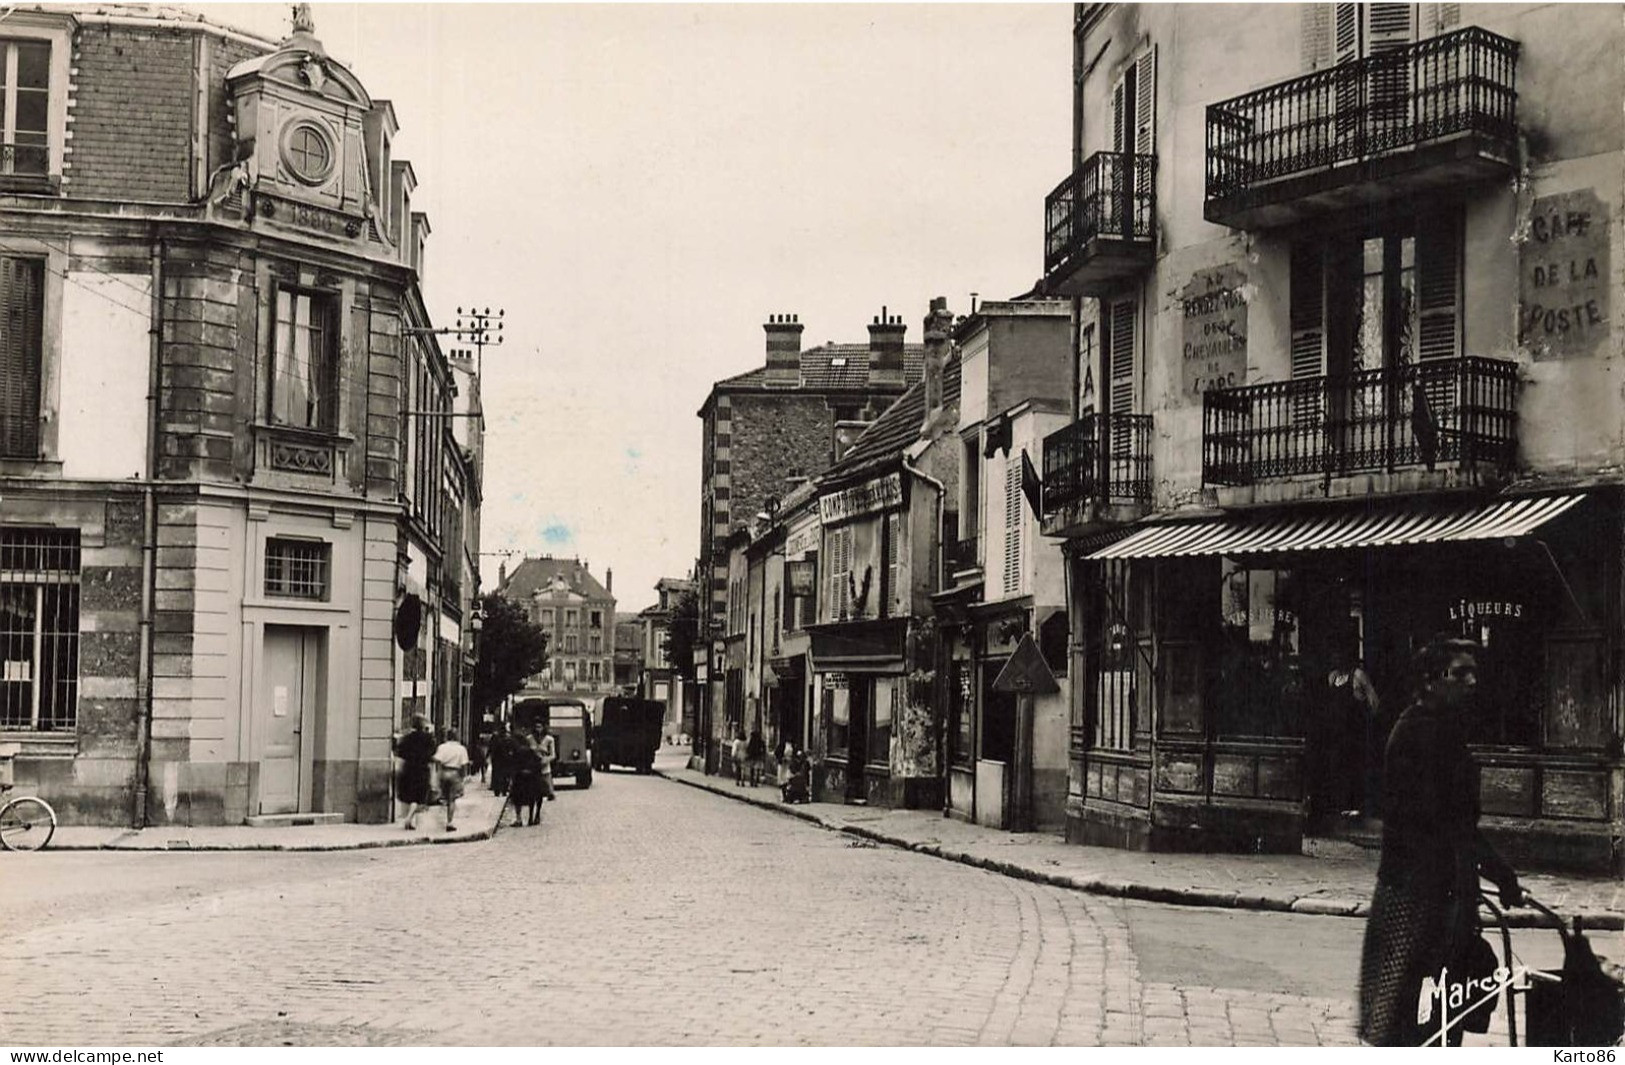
27, 822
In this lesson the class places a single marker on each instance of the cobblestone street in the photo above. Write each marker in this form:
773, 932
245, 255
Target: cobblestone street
641, 912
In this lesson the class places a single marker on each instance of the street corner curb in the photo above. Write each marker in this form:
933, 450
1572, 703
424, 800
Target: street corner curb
1326, 907
1259, 901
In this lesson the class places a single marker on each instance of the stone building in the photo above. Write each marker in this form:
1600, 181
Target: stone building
210, 266
664, 680
768, 429
629, 663
1006, 750
1346, 378
873, 649
578, 615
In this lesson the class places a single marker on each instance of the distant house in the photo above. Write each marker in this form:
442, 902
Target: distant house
629, 659
578, 615
662, 679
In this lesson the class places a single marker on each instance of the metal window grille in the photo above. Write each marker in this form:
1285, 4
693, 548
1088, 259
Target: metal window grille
296, 569
39, 629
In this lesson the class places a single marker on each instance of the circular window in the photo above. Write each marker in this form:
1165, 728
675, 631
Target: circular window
308, 153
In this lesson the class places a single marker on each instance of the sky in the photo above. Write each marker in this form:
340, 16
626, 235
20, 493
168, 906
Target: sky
639, 187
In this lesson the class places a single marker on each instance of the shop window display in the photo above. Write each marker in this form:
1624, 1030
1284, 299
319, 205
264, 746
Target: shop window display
1262, 689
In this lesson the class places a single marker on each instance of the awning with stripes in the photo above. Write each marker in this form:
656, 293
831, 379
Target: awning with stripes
1386, 526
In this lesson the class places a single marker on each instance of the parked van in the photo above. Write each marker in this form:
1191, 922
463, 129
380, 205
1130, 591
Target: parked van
571, 725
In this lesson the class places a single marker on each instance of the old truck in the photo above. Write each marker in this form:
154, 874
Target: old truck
628, 733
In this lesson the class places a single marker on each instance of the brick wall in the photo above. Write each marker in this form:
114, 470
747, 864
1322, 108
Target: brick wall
131, 117
771, 435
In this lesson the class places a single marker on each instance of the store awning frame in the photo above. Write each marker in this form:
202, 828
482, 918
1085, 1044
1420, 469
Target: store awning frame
1391, 524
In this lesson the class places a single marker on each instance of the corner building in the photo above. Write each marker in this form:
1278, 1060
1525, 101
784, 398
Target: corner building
209, 264
1344, 316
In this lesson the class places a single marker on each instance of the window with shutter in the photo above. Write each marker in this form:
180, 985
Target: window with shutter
1307, 319
895, 600
22, 307
1118, 341
1438, 251
1145, 103
1012, 527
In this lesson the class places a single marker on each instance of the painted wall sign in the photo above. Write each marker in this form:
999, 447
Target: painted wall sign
801, 541
881, 493
1214, 318
1563, 289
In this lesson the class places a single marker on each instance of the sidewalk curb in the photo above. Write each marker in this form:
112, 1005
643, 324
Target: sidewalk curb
1277, 902
181, 847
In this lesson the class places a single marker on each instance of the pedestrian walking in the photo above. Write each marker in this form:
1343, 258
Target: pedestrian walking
736, 751
549, 751
756, 755
1424, 912
501, 754
479, 753
798, 788
451, 765
525, 784
415, 748
781, 763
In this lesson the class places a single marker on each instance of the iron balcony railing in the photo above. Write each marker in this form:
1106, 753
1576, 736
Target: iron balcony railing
1104, 457
1454, 83
1112, 195
1445, 410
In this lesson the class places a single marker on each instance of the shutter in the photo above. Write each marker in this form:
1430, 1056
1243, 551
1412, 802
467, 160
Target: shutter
1314, 36
1119, 122
1307, 321
1012, 527
894, 594
1145, 103
1438, 283
1389, 28
22, 294
1346, 33
1308, 311
1120, 341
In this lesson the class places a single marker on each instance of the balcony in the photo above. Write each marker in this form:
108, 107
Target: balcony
1097, 471
1098, 224
1432, 115
1462, 411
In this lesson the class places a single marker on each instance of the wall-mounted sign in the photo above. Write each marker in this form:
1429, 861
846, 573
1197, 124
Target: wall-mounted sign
1467, 609
1214, 330
1563, 287
801, 541
881, 493
800, 578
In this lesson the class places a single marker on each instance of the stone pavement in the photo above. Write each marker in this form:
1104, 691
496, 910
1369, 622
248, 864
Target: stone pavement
476, 819
1334, 882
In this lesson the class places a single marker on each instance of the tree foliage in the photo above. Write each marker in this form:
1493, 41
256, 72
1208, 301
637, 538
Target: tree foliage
682, 632
512, 647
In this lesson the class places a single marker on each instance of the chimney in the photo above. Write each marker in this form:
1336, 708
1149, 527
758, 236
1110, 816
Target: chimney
886, 349
609, 580
938, 326
502, 573
783, 350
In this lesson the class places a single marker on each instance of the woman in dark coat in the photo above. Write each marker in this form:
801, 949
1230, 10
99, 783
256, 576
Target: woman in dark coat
1424, 912
415, 749
501, 755
525, 784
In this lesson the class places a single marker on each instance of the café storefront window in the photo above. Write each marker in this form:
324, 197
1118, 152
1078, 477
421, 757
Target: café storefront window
838, 712
1262, 690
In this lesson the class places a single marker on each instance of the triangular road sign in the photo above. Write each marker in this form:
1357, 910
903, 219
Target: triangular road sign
1026, 673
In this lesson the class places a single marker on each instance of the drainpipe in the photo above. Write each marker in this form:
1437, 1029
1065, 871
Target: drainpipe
149, 547
942, 738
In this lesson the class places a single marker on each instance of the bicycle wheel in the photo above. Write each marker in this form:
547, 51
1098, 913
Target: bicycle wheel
26, 824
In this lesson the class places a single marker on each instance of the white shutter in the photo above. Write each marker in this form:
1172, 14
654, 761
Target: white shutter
894, 570
1119, 120
1013, 514
1346, 25
1145, 103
